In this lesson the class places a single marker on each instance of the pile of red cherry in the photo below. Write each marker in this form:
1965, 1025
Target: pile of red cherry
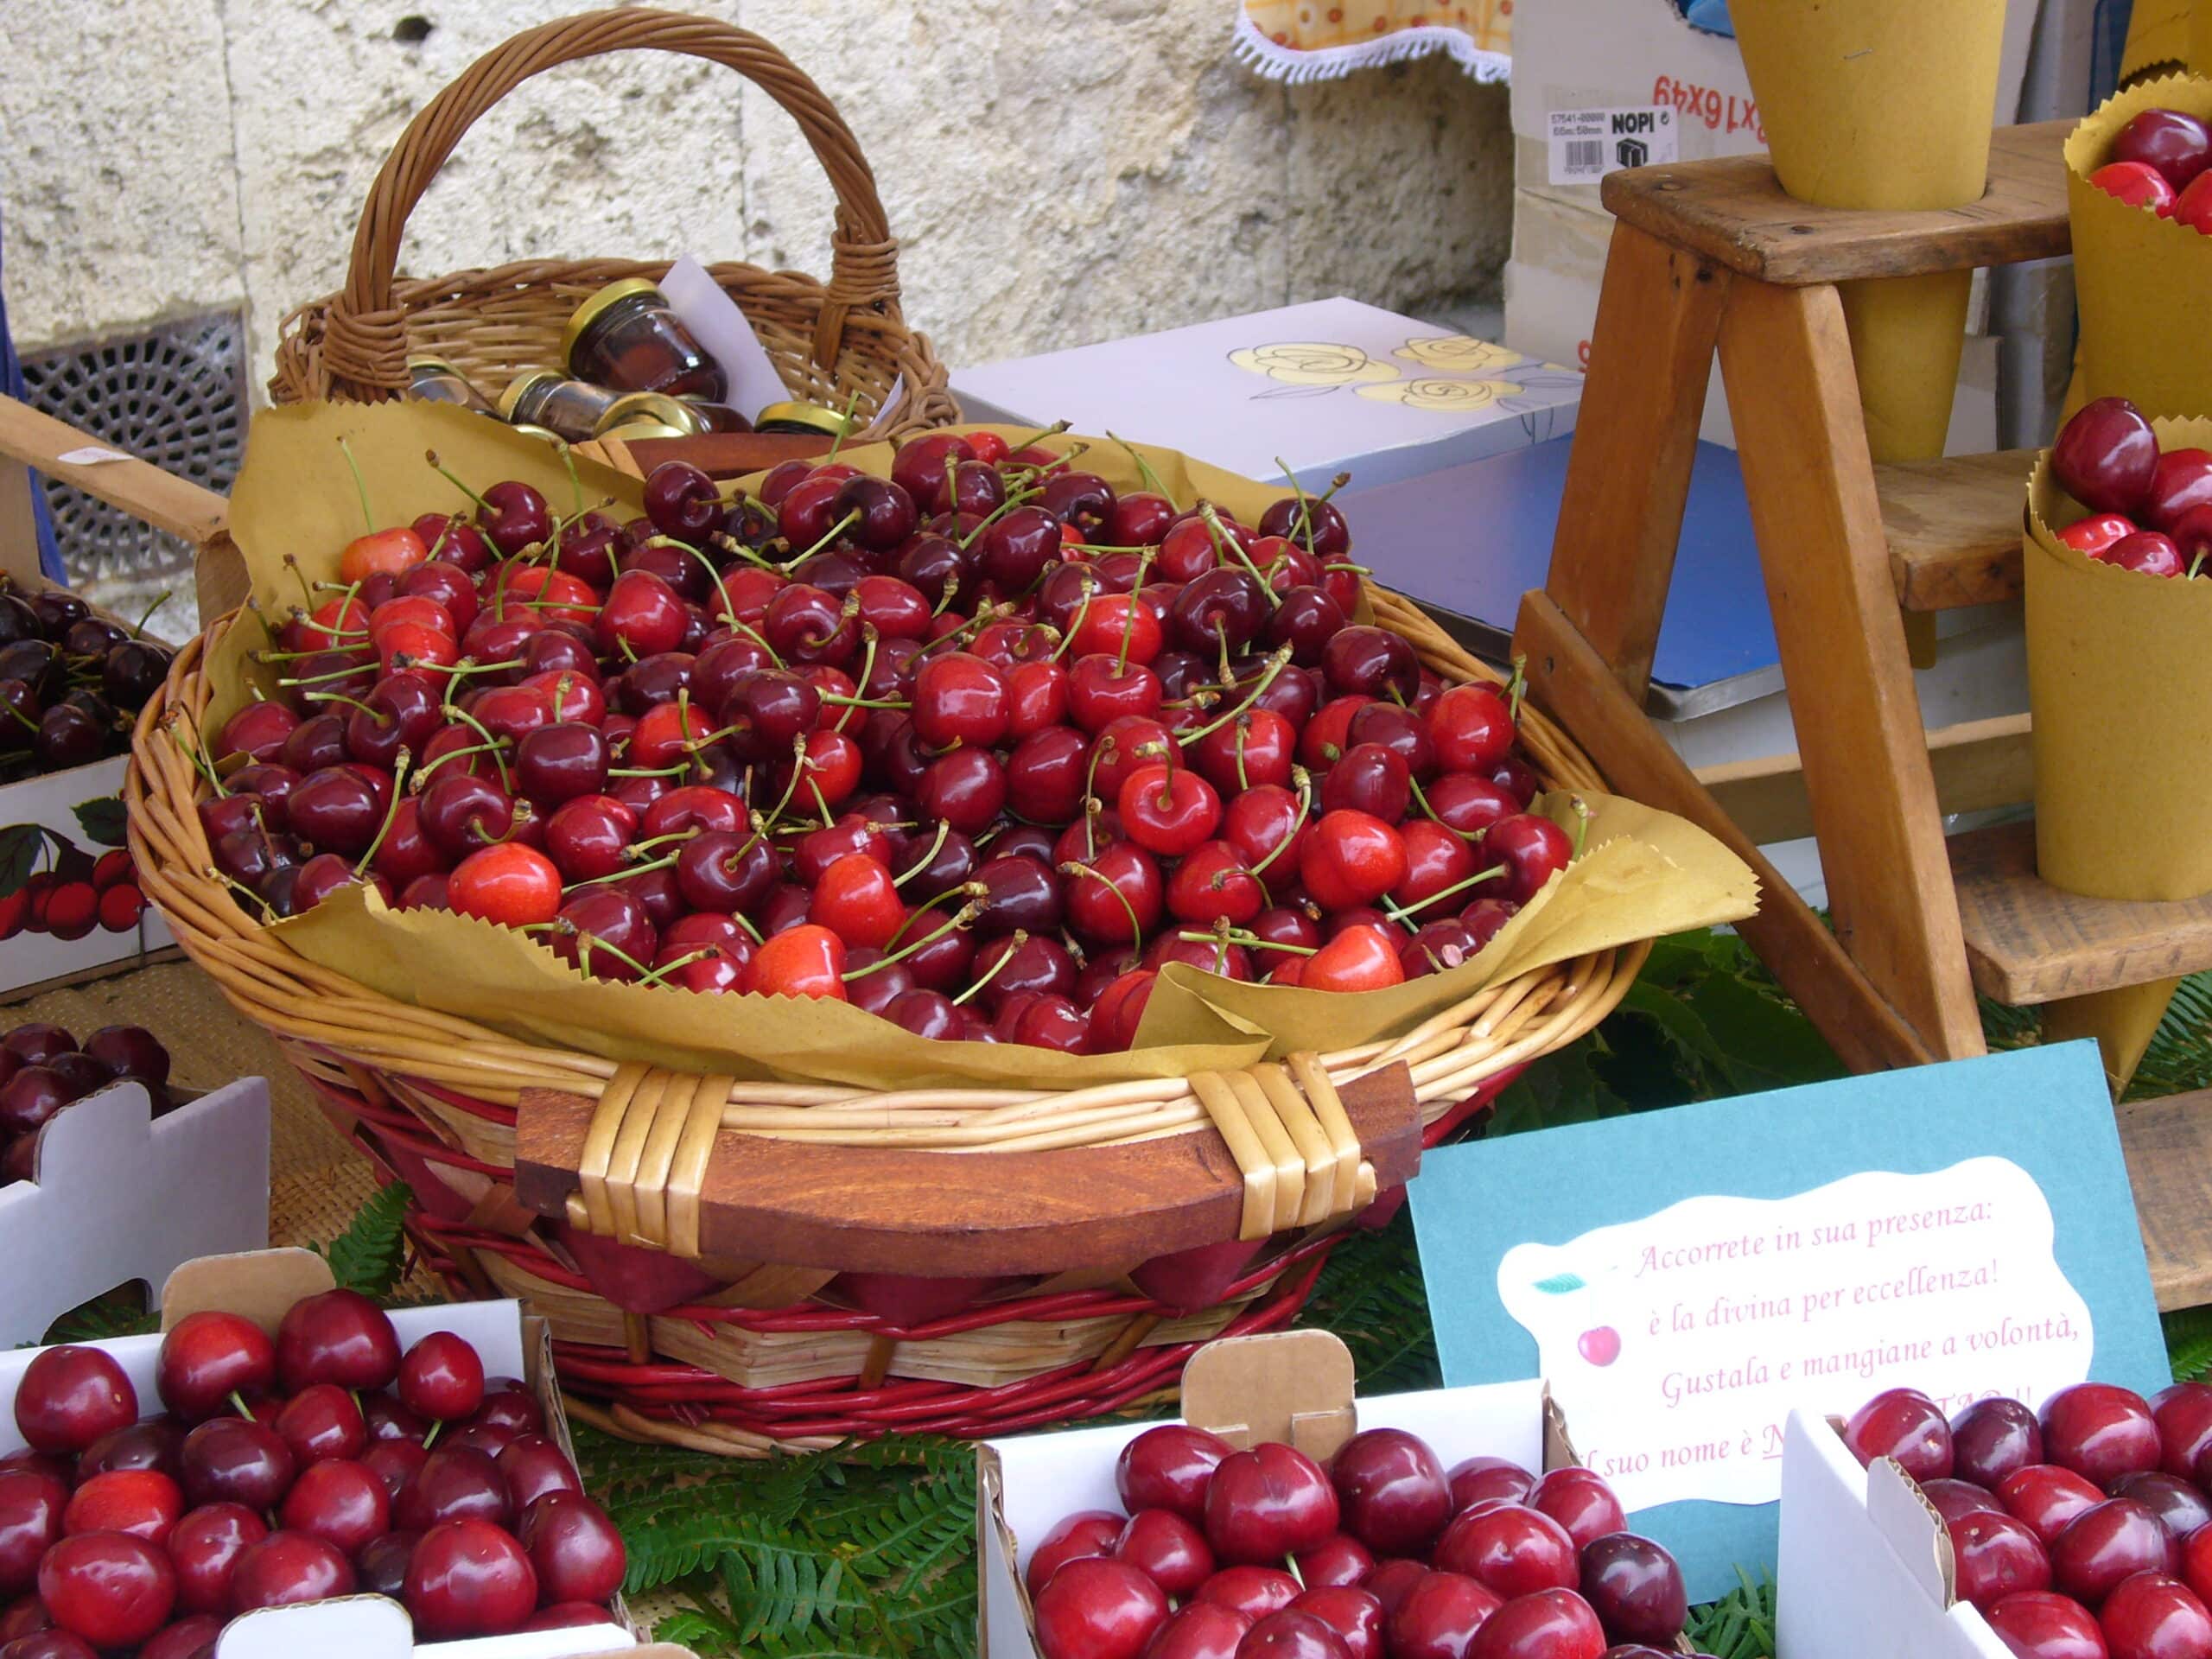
978, 746
2150, 511
282, 1472
2155, 163
2080, 1532
1264, 1555
71, 683
44, 1069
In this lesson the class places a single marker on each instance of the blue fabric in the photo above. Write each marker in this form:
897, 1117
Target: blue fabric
1710, 15
11, 382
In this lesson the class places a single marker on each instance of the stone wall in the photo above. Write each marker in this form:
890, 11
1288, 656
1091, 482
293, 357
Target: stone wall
1059, 171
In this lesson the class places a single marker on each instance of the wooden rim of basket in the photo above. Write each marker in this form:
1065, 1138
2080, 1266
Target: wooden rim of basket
366, 344
1446, 1055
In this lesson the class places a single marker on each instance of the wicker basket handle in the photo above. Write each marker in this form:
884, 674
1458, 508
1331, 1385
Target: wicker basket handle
367, 346
649, 1163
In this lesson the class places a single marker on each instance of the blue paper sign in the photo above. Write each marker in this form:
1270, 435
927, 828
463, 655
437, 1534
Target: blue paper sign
1684, 1278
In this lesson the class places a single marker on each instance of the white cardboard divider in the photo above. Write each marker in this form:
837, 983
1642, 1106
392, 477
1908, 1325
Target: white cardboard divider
1031, 1483
123, 1196
1864, 1564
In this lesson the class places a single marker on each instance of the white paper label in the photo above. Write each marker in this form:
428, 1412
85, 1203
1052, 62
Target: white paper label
1678, 1344
1586, 144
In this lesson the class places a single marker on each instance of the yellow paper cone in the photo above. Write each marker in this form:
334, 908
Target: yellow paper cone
2119, 685
2122, 1022
2140, 280
1884, 103
2158, 32
2200, 38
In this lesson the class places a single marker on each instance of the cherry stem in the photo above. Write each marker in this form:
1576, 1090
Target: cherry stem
737, 626
844, 429
951, 589
267, 910
391, 813
1420, 799
960, 918
943, 828
1150, 479
1397, 915
738, 550
1276, 663
1226, 546
661, 863
1516, 688
139, 631
575, 484
431, 455
192, 751
962, 890
830, 534
1019, 937
1091, 587
1129, 616
430, 1437
1304, 526
1136, 931
1249, 939
353, 466
1040, 433
587, 942
237, 1401
340, 697
1291, 1562
660, 975
477, 725
452, 755
1014, 498
1303, 779
1581, 808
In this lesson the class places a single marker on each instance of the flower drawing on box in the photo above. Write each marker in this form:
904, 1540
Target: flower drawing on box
1310, 368
1458, 354
1435, 391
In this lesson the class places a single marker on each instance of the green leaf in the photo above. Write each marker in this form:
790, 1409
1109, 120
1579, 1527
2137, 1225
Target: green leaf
369, 1254
101, 820
121, 1313
1764, 1042
20, 846
2189, 1342
1560, 1283
1372, 1295
1558, 1088
1738, 1626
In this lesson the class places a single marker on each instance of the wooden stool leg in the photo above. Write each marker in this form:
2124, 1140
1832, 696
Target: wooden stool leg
1628, 476
1787, 362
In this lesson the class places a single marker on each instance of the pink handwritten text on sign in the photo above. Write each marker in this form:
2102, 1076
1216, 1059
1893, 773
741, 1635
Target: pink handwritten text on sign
1678, 1344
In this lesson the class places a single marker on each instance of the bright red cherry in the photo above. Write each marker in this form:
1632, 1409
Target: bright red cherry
1393, 1491
469, 1578
144, 1502
1996, 1556
31, 1503
1440, 1616
1168, 809
1168, 1549
2105, 1544
342, 1502
1267, 1502
1515, 1551
440, 1378
1293, 1634
1547, 1624
577, 1554
1097, 1609
2047, 1498
338, 1336
1167, 1468
2172, 141
1361, 958
2184, 1414
1350, 859
2044, 1624
2152, 1616
69, 1396
2106, 456
1203, 1629
2100, 1431
1904, 1424
2095, 534
1074, 1537
1255, 1592
2137, 184
1581, 1503
110, 1588
205, 1546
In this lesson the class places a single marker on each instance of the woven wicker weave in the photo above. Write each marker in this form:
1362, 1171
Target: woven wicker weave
768, 1357
831, 342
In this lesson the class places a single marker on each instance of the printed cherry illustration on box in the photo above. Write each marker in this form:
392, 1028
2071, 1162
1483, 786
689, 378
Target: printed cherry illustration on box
50, 885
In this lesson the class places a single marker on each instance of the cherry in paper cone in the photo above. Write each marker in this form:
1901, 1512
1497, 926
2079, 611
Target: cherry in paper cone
1884, 103
2139, 279
2122, 801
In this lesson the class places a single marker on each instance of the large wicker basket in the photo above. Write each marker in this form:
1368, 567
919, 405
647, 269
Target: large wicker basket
832, 341
737, 1355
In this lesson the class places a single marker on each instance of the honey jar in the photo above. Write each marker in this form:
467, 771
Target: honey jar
627, 337
570, 408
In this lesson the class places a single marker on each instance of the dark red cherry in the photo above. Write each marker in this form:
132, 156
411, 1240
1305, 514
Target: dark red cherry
1168, 1468
1904, 1424
1992, 1439
1394, 1494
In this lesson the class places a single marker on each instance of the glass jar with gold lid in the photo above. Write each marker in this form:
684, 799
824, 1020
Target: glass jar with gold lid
573, 409
797, 418
627, 336
436, 381
651, 415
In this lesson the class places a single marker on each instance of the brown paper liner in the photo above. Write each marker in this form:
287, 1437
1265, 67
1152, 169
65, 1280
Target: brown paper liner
1884, 103
2140, 280
2119, 684
1643, 873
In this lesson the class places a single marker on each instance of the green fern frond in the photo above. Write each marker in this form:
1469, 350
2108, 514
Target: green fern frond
370, 1254
1740, 1625
2189, 1342
121, 1313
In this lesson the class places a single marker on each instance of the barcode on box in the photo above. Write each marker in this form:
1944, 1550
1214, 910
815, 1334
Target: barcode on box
1586, 144
1586, 157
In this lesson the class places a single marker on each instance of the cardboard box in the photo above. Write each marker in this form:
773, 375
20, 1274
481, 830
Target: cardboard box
1552, 283
85, 1226
262, 1284
1865, 1564
1295, 1386
1641, 57
1329, 387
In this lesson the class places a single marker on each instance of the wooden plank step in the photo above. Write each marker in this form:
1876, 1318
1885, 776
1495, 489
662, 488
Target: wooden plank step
1733, 211
2029, 943
1954, 527
2167, 1145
